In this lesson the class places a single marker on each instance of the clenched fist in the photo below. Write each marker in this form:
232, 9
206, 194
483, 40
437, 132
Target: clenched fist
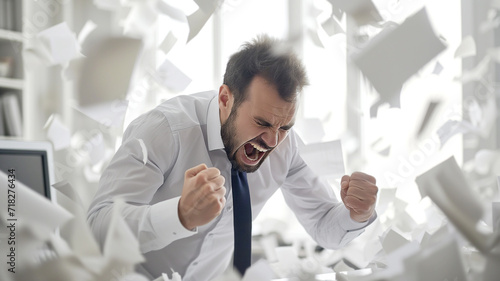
202, 197
359, 194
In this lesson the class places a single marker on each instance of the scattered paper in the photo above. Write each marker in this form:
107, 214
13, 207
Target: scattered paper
170, 11
168, 43
391, 57
86, 30
325, 159
31, 206
467, 48
363, 11
172, 77
477, 73
392, 241
446, 185
59, 44
196, 22
110, 114
332, 26
57, 132
107, 71
452, 128
121, 245
140, 19
260, 270
430, 115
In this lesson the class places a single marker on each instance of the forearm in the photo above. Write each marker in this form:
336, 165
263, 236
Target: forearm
154, 226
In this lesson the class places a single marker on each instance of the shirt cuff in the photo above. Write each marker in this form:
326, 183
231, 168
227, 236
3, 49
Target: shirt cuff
166, 223
348, 224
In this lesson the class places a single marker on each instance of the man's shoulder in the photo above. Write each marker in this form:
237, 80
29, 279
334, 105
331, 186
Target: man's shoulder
186, 110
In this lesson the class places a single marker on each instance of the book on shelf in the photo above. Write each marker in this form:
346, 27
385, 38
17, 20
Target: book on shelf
11, 114
8, 14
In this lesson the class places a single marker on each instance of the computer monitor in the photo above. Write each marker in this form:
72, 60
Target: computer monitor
32, 163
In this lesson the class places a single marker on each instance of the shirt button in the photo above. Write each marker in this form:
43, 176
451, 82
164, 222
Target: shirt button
195, 263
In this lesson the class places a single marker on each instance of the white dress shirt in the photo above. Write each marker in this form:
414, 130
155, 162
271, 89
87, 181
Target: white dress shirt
148, 173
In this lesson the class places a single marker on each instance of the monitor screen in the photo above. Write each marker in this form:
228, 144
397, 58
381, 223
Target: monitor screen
30, 162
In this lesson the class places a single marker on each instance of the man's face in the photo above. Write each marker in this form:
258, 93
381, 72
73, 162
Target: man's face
257, 126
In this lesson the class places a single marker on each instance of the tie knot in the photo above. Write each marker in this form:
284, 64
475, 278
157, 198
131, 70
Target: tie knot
236, 171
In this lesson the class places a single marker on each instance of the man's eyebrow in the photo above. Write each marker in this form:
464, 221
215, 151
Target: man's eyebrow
263, 122
288, 127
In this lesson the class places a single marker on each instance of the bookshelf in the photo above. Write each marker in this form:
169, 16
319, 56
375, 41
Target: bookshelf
11, 68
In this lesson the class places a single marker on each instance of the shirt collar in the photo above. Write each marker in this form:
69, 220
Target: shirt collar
213, 126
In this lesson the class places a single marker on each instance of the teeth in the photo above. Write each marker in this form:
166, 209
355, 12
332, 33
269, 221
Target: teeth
258, 147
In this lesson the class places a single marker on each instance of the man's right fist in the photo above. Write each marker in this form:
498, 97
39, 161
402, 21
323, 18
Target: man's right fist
202, 197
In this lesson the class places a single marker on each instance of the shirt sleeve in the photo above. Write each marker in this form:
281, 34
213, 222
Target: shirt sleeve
316, 207
135, 173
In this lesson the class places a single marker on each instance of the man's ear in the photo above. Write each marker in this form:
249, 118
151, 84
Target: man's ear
226, 101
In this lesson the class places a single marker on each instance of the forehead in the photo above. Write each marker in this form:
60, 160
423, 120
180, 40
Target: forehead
266, 102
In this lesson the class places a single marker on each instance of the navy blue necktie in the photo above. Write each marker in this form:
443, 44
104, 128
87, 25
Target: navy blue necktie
242, 215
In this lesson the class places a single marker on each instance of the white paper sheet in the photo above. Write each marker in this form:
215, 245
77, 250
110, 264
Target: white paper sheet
196, 22
363, 11
467, 48
107, 71
57, 132
59, 44
446, 185
86, 30
332, 27
391, 57
168, 43
30, 206
172, 77
325, 159
121, 245
260, 270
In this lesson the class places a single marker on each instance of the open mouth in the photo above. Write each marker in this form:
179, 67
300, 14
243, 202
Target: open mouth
253, 152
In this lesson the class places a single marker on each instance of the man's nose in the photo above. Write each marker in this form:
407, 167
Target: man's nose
271, 138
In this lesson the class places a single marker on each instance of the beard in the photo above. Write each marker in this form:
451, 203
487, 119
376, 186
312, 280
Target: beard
228, 134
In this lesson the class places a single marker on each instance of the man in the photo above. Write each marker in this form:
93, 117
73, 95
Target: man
177, 167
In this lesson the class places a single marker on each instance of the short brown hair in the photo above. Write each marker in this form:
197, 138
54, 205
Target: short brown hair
264, 57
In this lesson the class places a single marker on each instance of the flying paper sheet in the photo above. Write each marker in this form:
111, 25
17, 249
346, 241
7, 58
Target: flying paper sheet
170, 11
332, 27
429, 116
59, 44
446, 185
392, 241
391, 57
31, 206
167, 43
467, 48
363, 11
260, 270
196, 22
172, 77
107, 71
86, 30
452, 128
57, 132
121, 245
441, 262
325, 159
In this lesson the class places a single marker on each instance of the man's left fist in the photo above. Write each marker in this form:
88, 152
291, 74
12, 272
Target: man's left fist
359, 194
